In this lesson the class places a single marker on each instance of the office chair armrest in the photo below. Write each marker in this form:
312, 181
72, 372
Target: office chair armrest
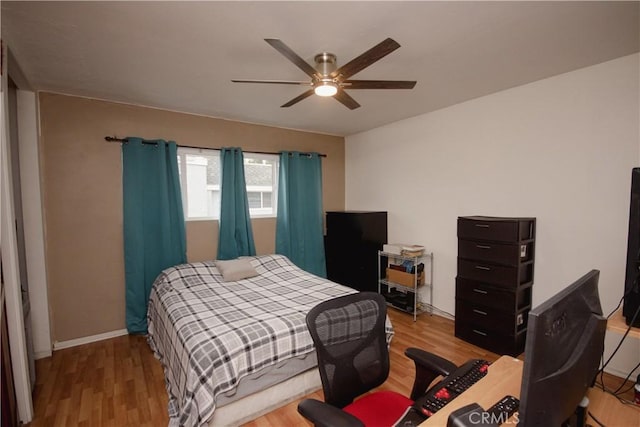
322, 414
428, 367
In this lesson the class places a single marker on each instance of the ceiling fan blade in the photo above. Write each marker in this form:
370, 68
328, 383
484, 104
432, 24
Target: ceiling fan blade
278, 45
346, 99
378, 84
275, 82
298, 98
374, 54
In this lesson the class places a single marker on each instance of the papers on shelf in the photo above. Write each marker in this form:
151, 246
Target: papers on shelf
393, 248
412, 250
403, 249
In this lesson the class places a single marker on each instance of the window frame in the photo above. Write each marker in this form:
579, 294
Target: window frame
182, 154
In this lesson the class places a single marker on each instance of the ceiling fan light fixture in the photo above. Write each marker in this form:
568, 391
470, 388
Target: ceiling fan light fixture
326, 89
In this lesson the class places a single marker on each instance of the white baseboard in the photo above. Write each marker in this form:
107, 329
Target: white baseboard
42, 354
620, 373
59, 345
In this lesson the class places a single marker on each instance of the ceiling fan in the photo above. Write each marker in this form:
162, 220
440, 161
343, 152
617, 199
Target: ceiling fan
328, 80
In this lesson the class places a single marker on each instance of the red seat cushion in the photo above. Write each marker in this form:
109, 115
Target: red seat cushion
379, 409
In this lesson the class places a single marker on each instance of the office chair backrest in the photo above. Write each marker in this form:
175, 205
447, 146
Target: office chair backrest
350, 339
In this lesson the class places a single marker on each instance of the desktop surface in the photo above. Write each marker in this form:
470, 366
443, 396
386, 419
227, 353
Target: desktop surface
505, 377
610, 411
616, 323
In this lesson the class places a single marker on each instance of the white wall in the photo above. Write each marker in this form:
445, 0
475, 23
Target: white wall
560, 149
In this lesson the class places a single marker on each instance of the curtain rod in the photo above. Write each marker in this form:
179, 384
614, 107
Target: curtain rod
125, 140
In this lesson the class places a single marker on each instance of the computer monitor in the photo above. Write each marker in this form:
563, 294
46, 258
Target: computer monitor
565, 339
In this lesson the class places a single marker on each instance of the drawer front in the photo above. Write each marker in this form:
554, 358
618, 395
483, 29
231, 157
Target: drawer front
489, 273
488, 318
488, 296
498, 253
492, 296
499, 231
491, 340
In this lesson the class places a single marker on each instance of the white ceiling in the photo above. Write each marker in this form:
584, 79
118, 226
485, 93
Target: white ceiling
182, 55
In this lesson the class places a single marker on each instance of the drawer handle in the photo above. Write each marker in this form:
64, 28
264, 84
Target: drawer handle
484, 313
480, 267
483, 246
482, 225
484, 334
480, 291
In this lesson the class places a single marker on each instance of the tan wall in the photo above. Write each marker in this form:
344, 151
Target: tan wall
82, 188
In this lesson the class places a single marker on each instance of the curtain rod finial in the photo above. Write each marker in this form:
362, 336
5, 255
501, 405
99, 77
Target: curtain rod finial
114, 139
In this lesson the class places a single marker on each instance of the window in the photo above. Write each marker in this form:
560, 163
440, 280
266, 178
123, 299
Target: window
200, 183
261, 174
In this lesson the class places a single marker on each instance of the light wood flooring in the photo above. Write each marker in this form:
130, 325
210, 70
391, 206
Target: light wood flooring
118, 382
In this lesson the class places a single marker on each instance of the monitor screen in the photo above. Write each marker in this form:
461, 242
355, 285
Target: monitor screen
565, 339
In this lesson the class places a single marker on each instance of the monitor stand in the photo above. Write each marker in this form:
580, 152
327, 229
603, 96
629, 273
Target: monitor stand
579, 417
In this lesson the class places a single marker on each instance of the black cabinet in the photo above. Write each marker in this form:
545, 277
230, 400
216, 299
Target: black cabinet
351, 244
495, 277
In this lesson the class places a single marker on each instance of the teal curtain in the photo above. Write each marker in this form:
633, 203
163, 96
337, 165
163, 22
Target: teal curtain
299, 233
236, 236
154, 232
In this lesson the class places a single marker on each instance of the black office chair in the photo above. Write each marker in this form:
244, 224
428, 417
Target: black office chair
353, 358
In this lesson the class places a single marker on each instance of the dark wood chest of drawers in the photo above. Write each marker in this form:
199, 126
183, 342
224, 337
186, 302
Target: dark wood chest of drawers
495, 277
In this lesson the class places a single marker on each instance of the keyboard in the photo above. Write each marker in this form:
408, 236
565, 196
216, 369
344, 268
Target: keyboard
451, 387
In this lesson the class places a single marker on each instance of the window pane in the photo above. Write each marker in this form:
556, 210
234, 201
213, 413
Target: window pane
266, 200
200, 182
254, 199
261, 174
258, 173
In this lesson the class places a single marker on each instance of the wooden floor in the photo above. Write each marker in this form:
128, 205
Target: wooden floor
118, 382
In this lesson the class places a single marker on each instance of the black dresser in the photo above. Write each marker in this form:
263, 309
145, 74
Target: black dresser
495, 276
351, 244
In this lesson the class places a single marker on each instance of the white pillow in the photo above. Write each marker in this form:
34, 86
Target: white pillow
236, 269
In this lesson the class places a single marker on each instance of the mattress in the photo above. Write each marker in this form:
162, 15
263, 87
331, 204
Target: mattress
267, 377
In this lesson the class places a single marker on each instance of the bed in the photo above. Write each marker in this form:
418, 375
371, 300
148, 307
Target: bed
234, 344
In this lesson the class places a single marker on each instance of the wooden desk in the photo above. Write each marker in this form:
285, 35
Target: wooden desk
616, 323
505, 377
609, 411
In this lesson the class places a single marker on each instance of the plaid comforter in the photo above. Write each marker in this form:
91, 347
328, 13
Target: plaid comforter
209, 334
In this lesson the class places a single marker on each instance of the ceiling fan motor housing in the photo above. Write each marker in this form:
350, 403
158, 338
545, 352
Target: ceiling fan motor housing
325, 63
